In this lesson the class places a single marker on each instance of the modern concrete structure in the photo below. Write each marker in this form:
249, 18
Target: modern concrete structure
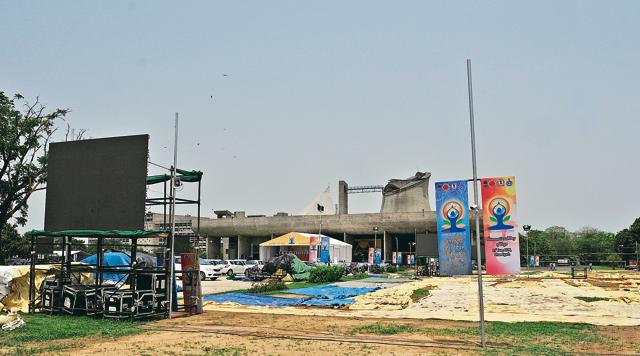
405, 217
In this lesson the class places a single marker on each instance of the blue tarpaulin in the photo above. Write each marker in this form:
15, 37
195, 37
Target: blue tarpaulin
330, 291
118, 260
253, 299
322, 296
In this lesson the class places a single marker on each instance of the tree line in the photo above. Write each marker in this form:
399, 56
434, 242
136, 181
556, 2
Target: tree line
588, 244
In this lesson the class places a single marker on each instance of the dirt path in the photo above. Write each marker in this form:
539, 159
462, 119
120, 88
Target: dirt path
226, 333
262, 334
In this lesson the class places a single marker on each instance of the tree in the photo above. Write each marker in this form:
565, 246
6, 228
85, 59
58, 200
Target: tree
13, 245
24, 136
625, 241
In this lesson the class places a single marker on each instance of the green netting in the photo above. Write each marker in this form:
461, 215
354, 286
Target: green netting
96, 233
185, 176
300, 270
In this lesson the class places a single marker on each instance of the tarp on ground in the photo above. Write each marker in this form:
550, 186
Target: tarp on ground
330, 292
253, 299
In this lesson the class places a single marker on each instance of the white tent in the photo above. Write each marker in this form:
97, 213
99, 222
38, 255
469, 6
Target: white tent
298, 244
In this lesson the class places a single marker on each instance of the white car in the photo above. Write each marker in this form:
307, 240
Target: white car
253, 263
206, 270
231, 267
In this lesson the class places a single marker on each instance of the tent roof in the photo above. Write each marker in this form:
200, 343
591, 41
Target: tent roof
299, 239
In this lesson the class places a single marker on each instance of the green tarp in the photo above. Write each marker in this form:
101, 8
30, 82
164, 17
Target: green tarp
300, 270
185, 176
96, 233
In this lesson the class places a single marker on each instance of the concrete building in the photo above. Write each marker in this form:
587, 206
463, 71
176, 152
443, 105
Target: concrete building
405, 218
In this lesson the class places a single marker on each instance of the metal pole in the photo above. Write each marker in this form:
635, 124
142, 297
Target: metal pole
475, 201
527, 262
172, 277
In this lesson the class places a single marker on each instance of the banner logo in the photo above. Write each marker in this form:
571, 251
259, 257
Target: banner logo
499, 209
452, 212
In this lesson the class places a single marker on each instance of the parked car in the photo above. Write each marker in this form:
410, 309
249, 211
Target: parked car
211, 271
252, 263
214, 261
232, 267
207, 270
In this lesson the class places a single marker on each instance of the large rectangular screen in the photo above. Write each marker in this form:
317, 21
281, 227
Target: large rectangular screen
97, 184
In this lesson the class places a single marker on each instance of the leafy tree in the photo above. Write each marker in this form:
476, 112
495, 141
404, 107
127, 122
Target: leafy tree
13, 244
594, 245
24, 135
625, 240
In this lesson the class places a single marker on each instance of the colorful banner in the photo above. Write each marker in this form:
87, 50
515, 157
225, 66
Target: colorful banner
537, 262
324, 249
370, 256
378, 255
452, 215
501, 244
394, 258
313, 248
532, 261
399, 258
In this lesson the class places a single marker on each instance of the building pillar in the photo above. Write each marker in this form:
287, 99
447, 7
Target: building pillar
343, 198
386, 246
214, 247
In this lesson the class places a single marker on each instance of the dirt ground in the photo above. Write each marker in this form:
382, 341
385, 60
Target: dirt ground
540, 296
224, 333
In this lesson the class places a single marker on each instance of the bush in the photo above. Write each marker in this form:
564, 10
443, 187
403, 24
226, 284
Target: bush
326, 274
360, 275
268, 286
377, 269
392, 269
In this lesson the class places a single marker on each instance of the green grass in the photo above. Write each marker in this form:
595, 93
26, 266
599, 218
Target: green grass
384, 329
540, 338
419, 294
42, 327
591, 299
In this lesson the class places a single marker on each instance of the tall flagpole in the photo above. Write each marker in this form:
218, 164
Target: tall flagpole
475, 202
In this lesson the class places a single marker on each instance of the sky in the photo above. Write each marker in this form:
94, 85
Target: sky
277, 100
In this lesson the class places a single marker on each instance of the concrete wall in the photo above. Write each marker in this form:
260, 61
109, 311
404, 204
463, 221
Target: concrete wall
351, 224
413, 198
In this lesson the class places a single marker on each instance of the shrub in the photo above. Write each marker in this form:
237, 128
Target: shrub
326, 274
359, 275
392, 269
376, 269
268, 286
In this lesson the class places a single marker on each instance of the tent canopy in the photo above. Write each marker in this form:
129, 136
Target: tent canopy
298, 243
185, 176
298, 239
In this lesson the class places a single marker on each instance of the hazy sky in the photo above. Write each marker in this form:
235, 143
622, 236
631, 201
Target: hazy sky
359, 90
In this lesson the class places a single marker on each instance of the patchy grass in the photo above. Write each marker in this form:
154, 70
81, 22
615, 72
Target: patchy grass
592, 299
224, 351
384, 329
44, 328
419, 294
540, 338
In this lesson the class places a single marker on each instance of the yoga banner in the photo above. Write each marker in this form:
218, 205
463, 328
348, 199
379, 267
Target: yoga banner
313, 248
501, 244
370, 256
324, 249
452, 215
378, 255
